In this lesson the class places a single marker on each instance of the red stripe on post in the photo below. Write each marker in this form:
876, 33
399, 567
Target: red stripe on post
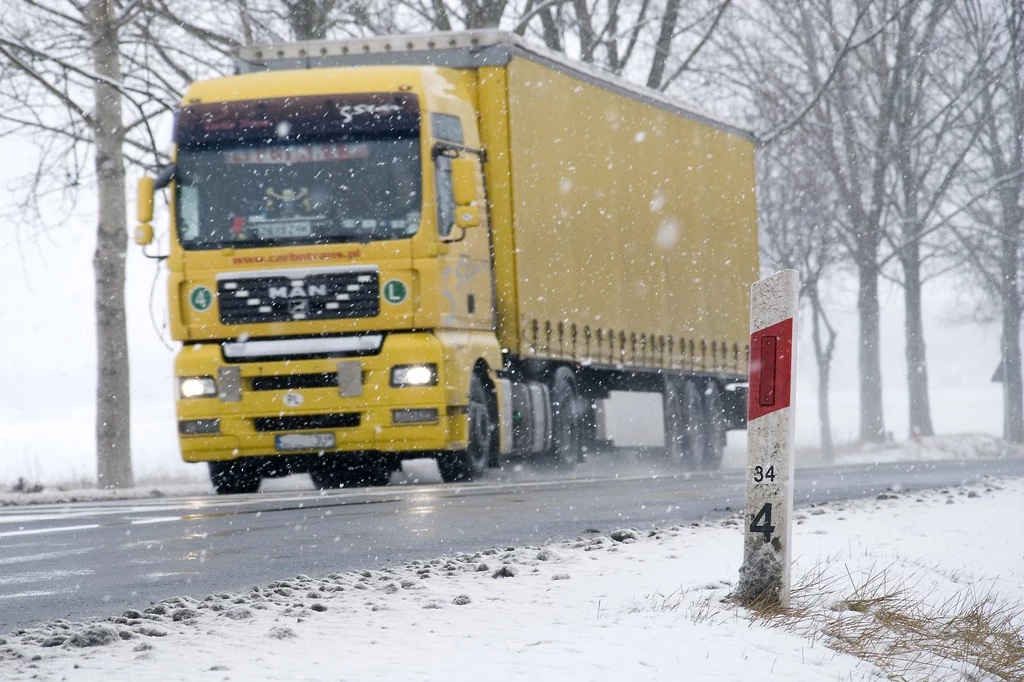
771, 369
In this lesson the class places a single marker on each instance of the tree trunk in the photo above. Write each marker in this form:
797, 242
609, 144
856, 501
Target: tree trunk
663, 46
549, 30
612, 30
1013, 391
112, 385
588, 39
441, 20
823, 355
872, 423
490, 12
308, 19
551, 36
917, 363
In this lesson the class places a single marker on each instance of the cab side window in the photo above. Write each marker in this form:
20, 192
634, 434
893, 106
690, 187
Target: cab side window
445, 196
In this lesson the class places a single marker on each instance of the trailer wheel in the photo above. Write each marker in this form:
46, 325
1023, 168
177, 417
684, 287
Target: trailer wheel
684, 443
234, 477
713, 425
588, 420
345, 471
566, 421
465, 465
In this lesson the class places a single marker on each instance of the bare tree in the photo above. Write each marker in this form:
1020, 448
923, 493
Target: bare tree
932, 136
853, 130
820, 67
220, 26
630, 37
626, 37
55, 60
875, 88
993, 234
796, 210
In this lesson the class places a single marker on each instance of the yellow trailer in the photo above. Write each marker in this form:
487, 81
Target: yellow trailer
449, 245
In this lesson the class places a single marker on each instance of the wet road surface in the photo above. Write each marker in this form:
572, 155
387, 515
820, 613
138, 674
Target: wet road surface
94, 559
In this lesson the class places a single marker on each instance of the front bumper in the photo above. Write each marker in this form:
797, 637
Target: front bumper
243, 424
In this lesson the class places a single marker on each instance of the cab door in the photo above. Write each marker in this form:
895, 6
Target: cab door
467, 283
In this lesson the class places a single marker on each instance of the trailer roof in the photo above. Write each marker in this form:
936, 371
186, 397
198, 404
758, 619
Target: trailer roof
457, 50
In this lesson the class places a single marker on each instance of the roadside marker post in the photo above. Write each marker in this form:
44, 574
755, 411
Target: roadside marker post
767, 545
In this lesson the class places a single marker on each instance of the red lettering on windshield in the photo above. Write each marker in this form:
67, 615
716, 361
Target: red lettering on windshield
310, 153
351, 254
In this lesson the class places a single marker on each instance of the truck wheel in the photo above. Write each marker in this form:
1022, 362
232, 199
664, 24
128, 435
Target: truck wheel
588, 422
713, 427
335, 472
465, 465
234, 477
683, 419
566, 421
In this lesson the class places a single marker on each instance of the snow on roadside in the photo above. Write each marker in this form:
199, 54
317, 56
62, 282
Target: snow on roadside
629, 604
30, 495
965, 446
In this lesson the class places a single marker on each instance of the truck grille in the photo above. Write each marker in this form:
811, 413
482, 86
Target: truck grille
306, 296
307, 421
295, 381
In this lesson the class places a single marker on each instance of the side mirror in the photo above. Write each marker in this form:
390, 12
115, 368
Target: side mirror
144, 234
144, 199
464, 179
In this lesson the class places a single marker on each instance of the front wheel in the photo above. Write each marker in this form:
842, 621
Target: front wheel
234, 477
465, 465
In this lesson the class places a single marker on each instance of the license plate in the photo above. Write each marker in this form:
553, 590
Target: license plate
305, 441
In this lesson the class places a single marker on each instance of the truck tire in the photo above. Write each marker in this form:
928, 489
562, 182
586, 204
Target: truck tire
713, 425
328, 473
566, 422
682, 411
234, 477
588, 420
465, 465
684, 444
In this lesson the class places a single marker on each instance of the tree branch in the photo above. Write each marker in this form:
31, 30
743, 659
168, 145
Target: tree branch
700, 46
49, 87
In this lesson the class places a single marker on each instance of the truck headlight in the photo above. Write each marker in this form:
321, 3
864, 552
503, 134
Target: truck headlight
414, 375
197, 387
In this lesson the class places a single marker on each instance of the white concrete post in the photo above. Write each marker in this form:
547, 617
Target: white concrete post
767, 546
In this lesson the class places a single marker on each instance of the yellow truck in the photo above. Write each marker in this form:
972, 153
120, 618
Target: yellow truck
446, 245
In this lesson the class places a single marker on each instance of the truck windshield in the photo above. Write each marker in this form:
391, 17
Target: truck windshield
292, 193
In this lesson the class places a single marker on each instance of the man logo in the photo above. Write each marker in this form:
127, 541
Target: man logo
298, 307
298, 290
292, 399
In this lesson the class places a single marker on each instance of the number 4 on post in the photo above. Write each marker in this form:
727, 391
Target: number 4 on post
762, 522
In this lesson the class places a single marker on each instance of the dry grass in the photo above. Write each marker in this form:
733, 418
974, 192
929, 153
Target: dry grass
887, 620
696, 605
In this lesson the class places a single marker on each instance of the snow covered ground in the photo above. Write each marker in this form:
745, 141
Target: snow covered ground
964, 446
614, 604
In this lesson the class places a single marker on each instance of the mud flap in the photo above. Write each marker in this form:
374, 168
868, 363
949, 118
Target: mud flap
734, 404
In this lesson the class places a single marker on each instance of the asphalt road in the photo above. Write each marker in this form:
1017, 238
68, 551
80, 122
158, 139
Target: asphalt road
85, 560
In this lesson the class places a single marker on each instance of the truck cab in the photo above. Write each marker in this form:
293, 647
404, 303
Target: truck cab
330, 275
